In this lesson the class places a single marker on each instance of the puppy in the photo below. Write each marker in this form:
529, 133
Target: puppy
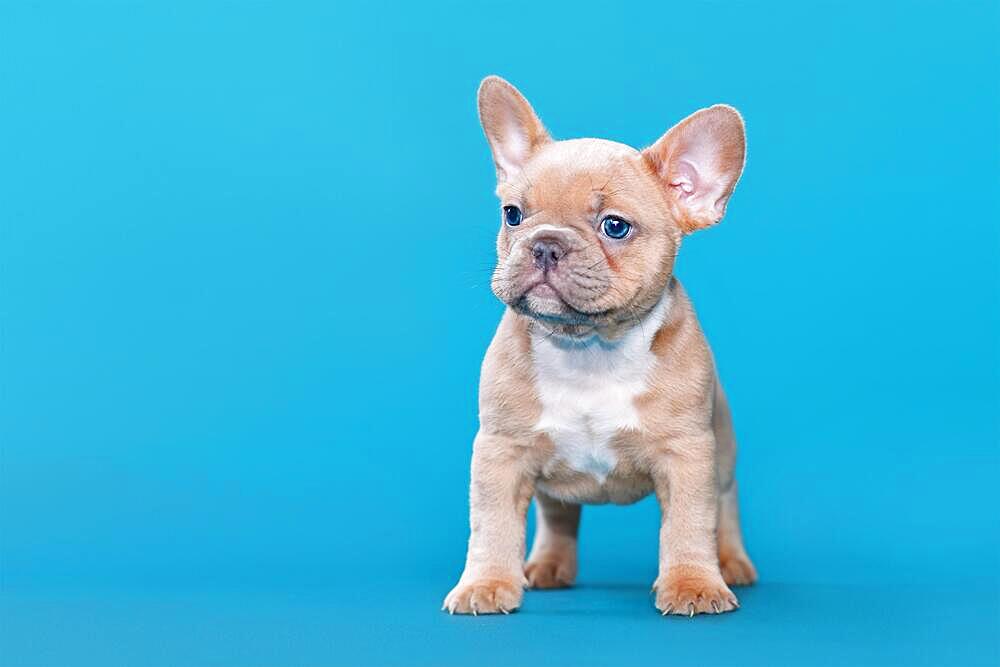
599, 385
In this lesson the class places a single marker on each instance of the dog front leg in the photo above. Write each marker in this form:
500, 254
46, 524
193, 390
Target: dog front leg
689, 581
493, 580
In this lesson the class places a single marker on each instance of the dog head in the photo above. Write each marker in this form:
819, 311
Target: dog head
590, 228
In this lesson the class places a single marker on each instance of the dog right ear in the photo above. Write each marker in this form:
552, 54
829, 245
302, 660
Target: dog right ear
511, 126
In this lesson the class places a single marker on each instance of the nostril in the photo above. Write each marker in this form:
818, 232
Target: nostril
546, 254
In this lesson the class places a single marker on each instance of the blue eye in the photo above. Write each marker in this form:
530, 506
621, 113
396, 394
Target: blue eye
615, 228
512, 215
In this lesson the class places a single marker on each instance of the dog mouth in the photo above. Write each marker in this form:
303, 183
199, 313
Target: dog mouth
534, 300
544, 290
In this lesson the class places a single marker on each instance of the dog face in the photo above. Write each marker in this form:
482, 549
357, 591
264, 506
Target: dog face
590, 228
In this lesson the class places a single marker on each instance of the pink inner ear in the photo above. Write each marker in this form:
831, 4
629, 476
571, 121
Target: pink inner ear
685, 178
512, 148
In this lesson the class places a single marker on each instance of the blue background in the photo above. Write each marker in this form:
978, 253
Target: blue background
245, 256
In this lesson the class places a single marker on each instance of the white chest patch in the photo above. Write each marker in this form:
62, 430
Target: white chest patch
587, 391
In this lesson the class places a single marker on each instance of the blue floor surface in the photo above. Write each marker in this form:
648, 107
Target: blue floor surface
601, 622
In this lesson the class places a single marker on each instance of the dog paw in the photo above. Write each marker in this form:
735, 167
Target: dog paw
550, 572
737, 570
687, 590
484, 596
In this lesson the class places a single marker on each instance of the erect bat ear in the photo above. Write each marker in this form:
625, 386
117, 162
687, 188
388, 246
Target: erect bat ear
699, 161
511, 126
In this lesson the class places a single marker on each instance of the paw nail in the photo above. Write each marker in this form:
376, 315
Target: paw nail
690, 610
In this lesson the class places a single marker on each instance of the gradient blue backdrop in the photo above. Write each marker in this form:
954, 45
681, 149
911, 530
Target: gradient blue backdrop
245, 251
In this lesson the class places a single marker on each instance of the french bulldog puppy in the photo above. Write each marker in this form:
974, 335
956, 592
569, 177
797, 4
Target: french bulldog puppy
599, 385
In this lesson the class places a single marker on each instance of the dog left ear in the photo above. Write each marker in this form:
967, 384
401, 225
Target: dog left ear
699, 161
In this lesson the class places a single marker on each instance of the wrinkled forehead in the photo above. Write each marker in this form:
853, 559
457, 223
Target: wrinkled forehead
578, 174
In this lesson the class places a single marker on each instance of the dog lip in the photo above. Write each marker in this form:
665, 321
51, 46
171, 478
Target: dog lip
575, 316
545, 286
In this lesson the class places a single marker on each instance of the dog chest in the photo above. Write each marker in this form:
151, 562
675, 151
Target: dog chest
587, 393
582, 416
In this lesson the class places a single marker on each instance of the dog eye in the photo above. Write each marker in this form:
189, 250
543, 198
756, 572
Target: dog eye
512, 215
615, 228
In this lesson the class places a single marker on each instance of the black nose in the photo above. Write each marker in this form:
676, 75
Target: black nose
547, 253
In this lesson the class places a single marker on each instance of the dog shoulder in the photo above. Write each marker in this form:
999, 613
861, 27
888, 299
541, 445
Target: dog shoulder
682, 384
508, 401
